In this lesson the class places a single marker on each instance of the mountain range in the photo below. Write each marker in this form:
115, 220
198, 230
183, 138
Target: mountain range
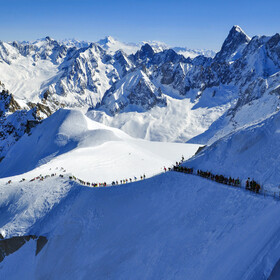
167, 96
84, 194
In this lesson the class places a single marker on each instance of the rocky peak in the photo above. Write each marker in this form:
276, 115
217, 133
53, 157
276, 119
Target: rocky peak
167, 56
7, 103
122, 63
106, 40
234, 40
146, 52
273, 42
48, 39
273, 49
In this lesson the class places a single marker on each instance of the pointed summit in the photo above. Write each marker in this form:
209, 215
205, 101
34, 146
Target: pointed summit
48, 38
146, 52
107, 41
236, 38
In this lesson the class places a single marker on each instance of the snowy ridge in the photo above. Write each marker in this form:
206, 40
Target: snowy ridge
248, 152
81, 213
171, 225
72, 137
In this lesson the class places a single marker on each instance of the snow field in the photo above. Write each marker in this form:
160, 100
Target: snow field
89, 150
172, 226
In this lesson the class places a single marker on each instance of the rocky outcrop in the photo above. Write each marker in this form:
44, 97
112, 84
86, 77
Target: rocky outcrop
11, 245
135, 92
7, 103
16, 121
236, 39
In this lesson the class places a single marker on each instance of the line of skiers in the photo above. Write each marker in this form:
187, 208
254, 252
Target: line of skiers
183, 169
104, 184
82, 182
252, 186
219, 178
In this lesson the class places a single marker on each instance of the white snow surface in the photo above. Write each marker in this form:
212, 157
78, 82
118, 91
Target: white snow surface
112, 45
179, 121
88, 150
251, 151
27, 79
172, 226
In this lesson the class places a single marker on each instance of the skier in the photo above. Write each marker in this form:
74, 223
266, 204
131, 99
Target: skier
247, 184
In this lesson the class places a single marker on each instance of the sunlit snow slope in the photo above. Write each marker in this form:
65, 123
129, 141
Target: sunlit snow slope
89, 150
251, 151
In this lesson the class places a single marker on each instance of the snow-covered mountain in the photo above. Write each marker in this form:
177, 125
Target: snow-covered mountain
154, 89
112, 45
172, 226
192, 53
251, 151
169, 226
68, 137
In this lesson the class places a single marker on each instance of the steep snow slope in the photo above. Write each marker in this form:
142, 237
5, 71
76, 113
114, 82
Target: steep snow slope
173, 226
133, 93
89, 150
261, 103
252, 152
179, 121
26, 79
192, 53
112, 45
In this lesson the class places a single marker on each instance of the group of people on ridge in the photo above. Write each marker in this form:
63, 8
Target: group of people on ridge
219, 178
252, 186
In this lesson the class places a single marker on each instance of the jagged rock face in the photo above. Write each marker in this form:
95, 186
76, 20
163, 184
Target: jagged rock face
273, 49
87, 73
7, 103
144, 97
236, 39
242, 63
135, 92
122, 63
114, 82
146, 53
11, 245
16, 121
90, 70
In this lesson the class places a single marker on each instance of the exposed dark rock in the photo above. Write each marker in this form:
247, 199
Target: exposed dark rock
11, 245
41, 242
30, 124
46, 94
199, 150
145, 53
234, 40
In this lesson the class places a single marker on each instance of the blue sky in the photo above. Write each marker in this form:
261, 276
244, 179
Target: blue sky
195, 24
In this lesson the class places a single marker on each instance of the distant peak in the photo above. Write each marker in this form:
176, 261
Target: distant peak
236, 30
147, 48
106, 40
48, 38
234, 40
110, 39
